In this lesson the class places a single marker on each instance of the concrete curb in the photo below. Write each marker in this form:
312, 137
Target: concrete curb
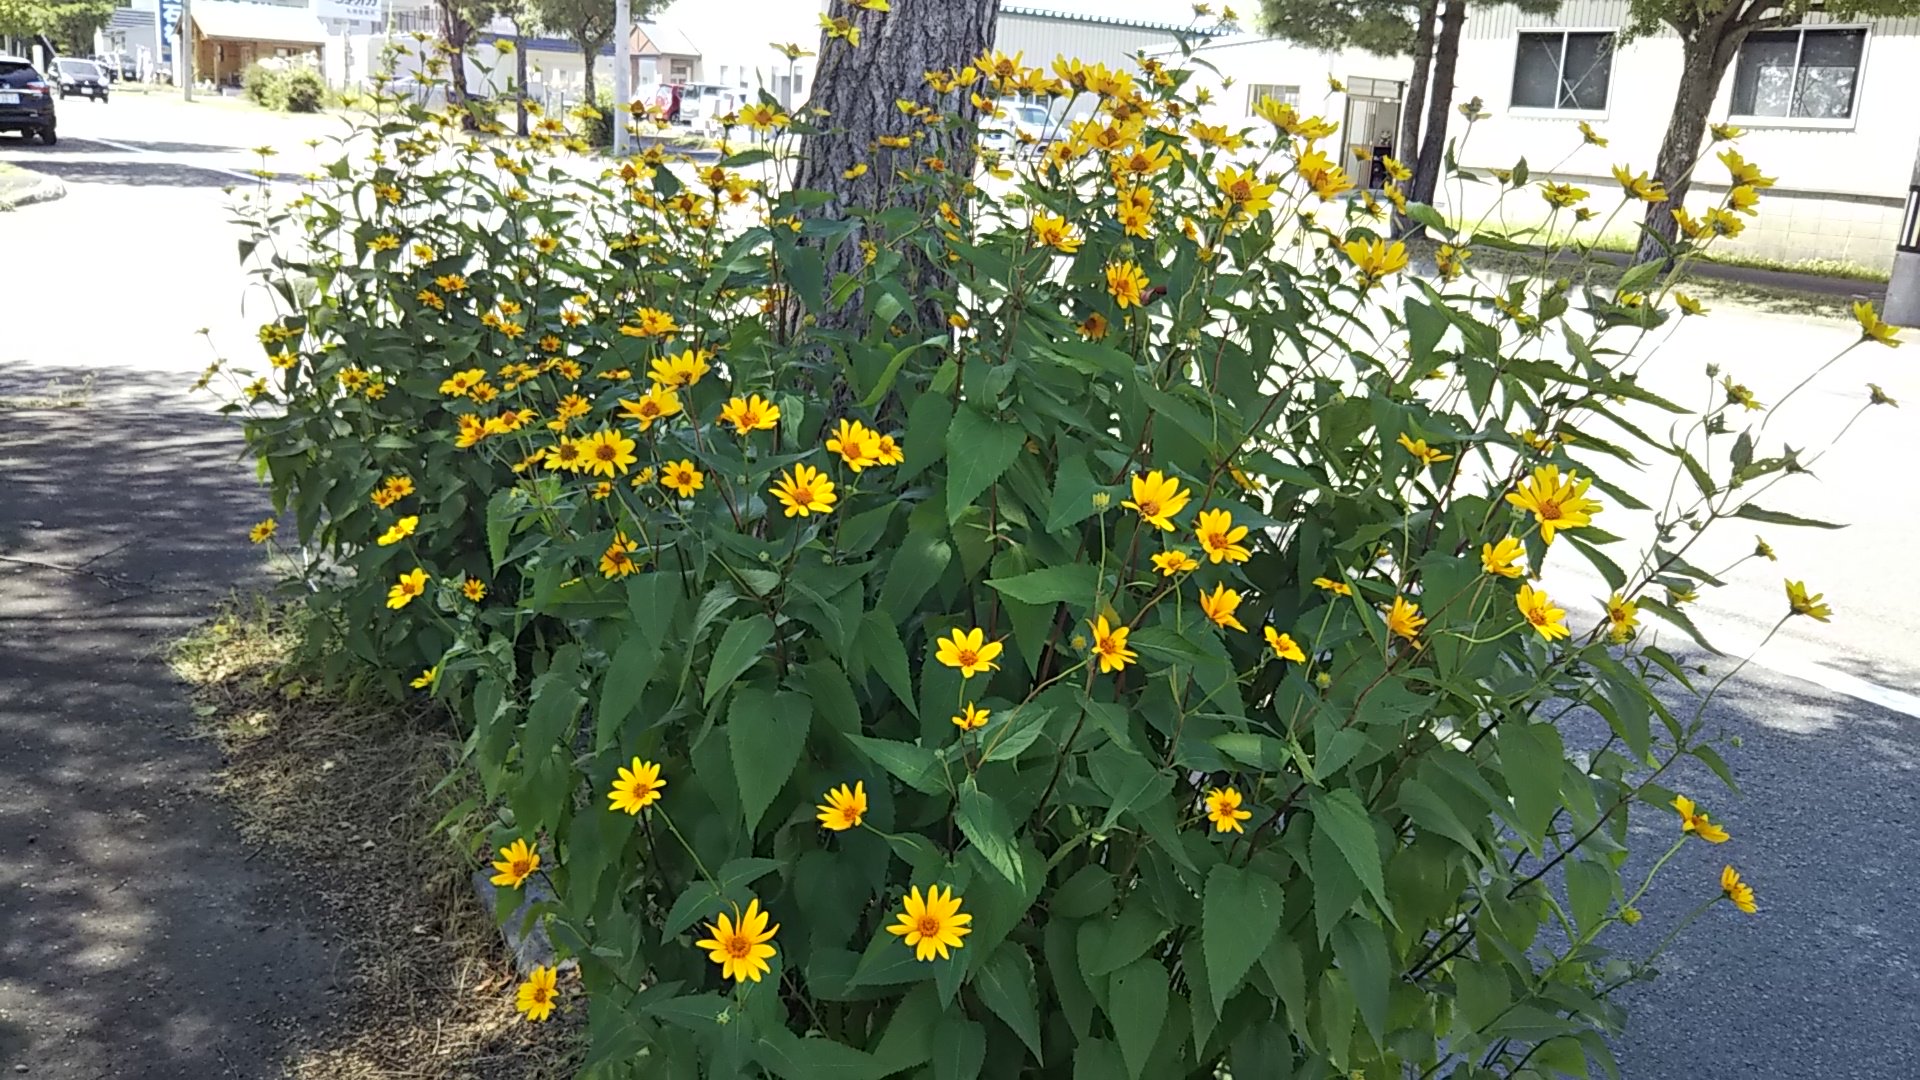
41, 188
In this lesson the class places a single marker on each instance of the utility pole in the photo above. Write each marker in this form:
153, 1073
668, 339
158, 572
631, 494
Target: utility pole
183, 41
1903, 286
622, 73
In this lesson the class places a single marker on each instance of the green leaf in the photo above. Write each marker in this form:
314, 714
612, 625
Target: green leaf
1073, 488
1009, 738
1339, 816
959, 1049
916, 566
740, 647
1241, 913
1089, 890
1427, 808
1481, 994
767, 733
880, 643
927, 423
1775, 517
892, 371
1137, 1004
908, 1039
790, 1057
1678, 618
1005, 985
697, 1012
1531, 758
1127, 779
632, 667
990, 830
1074, 583
501, 516
914, 765
1589, 892
1361, 948
1097, 1059
979, 449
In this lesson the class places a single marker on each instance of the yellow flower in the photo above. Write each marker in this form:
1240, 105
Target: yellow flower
1725, 132
973, 719
1639, 185
933, 925
1590, 136
650, 322
1157, 497
1055, 232
1622, 616
1093, 327
1695, 821
1216, 135
1405, 619
263, 531
425, 678
1737, 891
657, 403
1375, 259
1538, 610
617, 560
856, 443
1220, 605
844, 809
1763, 549
1338, 588
1565, 196
763, 117
1126, 284
968, 650
1220, 537
804, 490
856, 172
566, 455
411, 584
637, 787
1223, 809
607, 453
1419, 448
1743, 199
1396, 171
682, 370
1134, 212
741, 951
1501, 558
1743, 172
1738, 394
1722, 222
474, 589
392, 490
400, 530
1872, 327
1174, 561
840, 27
516, 864
1689, 228
538, 994
1244, 192
1799, 603
1687, 304
887, 450
1284, 646
460, 382
1110, 646
1555, 503
750, 414
683, 477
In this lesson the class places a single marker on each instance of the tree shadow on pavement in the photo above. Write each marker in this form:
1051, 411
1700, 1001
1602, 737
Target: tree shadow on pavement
138, 937
129, 170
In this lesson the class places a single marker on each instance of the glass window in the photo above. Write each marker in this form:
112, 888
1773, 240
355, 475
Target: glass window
1556, 69
1285, 95
1810, 74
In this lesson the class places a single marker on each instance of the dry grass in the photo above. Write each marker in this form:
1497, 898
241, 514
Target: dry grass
346, 793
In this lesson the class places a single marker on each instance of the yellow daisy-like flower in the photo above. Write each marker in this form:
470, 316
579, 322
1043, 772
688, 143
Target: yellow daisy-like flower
1223, 809
538, 995
607, 453
973, 719
1687, 304
1505, 558
516, 864
1219, 606
857, 444
460, 383
567, 455
1245, 194
411, 584
683, 477
804, 490
636, 788
888, 451
1871, 327
1639, 185
1419, 448
650, 322
1694, 820
679, 372
1590, 136
1337, 588
1564, 196
1534, 606
1375, 259
741, 950
750, 414
263, 531
1055, 232
845, 807
1127, 284
1110, 646
617, 561
1220, 537
1799, 603
855, 173
1174, 562
1284, 647
1157, 498
399, 530
1554, 502
1737, 890
1405, 619
933, 925
968, 650
474, 589
1622, 616
425, 678
657, 403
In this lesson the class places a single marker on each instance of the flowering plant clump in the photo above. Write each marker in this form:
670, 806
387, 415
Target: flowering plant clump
1099, 633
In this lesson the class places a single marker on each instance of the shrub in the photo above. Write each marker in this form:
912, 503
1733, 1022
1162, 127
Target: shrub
303, 91
264, 86
1136, 553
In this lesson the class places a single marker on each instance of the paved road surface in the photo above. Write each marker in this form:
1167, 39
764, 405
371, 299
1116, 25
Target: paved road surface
133, 929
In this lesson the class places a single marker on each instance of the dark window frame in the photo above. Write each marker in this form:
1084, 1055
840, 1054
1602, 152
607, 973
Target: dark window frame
1796, 88
1565, 97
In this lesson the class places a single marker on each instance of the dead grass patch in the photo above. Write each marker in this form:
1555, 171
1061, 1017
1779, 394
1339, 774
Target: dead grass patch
347, 791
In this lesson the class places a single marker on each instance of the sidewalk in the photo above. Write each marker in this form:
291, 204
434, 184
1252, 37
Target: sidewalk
24, 187
138, 937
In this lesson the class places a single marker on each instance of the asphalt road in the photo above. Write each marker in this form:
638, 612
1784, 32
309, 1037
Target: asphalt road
1822, 984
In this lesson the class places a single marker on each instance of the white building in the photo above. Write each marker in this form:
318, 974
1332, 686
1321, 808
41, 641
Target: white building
1831, 110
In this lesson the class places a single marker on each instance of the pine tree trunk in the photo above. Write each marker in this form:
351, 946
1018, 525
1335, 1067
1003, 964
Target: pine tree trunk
453, 25
1433, 142
520, 79
1704, 63
855, 90
592, 98
1413, 103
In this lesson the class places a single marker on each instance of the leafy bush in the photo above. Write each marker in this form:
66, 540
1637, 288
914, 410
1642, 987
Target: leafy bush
1134, 556
303, 91
264, 86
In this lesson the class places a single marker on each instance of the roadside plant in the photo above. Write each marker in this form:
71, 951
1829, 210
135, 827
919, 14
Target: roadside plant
1099, 632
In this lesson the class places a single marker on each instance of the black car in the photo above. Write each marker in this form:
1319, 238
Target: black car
80, 77
26, 101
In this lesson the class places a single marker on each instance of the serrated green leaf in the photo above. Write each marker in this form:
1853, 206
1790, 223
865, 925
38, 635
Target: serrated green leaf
979, 450
1074, 583
1010, 737
1241, 913
1775, 517
912, 764
740, 647
880, 643
1339, 816
1137, 1005
766, 732
1679, 619
916, 566
1005, 985
988, 828
1361, 949
959, 1049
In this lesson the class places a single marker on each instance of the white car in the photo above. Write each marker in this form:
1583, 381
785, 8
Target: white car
1019, 129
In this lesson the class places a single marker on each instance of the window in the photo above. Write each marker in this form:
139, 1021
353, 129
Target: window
1285, 95
1560, 69
1810, 74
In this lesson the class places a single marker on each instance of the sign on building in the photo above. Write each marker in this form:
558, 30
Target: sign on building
359, 11
169, 28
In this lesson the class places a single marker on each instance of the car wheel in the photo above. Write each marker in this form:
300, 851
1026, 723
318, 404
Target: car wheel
49, 136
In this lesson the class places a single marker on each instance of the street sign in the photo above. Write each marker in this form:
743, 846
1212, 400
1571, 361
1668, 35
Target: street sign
169, 28
365, 11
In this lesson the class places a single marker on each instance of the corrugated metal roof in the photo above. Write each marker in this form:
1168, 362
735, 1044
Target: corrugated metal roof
257, 22
1108, 20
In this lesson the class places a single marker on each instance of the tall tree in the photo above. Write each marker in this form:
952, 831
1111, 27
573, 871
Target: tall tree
586, 23
458, 20
1711, 34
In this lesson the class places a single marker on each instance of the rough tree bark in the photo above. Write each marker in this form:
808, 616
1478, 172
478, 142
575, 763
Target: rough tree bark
1413, 102
456, 30
855, 89
520, 77
1433, 143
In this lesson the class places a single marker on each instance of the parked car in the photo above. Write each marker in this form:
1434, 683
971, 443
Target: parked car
1019, 129
80, 77
129, 69
108, 66
26, 101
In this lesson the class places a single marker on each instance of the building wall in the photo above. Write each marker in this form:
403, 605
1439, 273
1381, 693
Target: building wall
1257, 64
1840, 186
1041, 38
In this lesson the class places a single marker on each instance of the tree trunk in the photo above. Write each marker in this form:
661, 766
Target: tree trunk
520, 78
854, 90
1704, 61
453, 25
587, 54
1433, 142
1413, 102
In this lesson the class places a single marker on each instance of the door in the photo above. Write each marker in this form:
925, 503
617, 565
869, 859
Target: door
1372, 128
